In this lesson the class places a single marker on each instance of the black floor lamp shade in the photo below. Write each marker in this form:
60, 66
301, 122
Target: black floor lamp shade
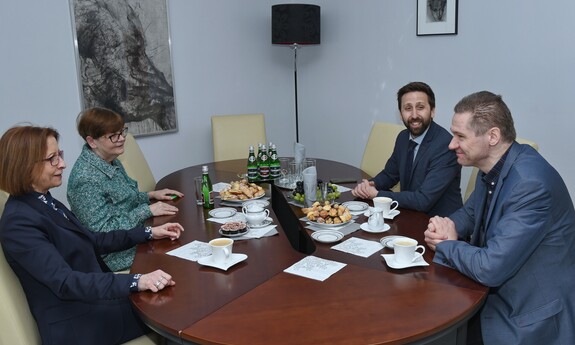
295, 24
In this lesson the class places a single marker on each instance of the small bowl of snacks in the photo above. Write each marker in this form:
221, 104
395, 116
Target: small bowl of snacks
233, 229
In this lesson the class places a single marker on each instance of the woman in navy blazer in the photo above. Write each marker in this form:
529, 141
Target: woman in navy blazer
72, 294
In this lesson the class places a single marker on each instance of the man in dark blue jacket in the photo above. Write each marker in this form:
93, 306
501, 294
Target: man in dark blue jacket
421, 161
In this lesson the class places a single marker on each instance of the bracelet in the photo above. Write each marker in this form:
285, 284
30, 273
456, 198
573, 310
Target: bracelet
148, 230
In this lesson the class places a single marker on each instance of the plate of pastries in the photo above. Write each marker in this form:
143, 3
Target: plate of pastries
327, 215
241, 190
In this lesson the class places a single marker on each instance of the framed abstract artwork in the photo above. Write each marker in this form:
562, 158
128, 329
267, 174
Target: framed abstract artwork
124, 62
436, 17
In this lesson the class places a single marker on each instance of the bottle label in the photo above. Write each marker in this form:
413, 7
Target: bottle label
252, 173
264, 171
275, 171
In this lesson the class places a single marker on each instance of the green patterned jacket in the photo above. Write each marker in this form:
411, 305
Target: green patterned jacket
105, 198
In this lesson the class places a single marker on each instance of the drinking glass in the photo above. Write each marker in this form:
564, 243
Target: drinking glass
295, 171
309, 162
199, 195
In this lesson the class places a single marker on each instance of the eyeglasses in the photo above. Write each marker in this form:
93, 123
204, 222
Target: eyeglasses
55, 159
116, 136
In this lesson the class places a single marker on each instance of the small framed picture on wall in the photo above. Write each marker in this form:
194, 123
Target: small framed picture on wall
436, 17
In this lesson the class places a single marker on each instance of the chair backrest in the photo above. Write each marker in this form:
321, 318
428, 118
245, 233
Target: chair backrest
379, 147
475, 171
232, 135
3, 199
17, 325
136, 165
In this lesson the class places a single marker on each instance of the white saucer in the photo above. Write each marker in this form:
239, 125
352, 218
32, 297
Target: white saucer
365, 227
387, 241
266, 222
327, 236
391, 215
222, 212
232, 260
390, 261
356, 207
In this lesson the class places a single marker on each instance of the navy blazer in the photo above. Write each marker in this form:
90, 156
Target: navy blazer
528, 259
436, 175
73, 296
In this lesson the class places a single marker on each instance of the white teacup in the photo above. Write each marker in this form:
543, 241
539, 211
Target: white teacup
406, 250
221, 249
255, 214
386, 204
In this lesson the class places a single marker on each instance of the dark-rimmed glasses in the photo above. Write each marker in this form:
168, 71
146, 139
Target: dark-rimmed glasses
55, 159
116, 136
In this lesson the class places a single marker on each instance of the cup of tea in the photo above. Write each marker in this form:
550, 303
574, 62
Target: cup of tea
385, 204
255, 214
221, 249
405, 250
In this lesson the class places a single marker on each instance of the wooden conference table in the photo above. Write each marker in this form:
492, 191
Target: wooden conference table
255, 302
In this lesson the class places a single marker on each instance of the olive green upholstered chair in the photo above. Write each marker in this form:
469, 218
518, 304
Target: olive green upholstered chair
379, 148
232, 135
136, 165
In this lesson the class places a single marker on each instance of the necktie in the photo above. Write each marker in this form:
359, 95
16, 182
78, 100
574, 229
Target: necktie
409, 162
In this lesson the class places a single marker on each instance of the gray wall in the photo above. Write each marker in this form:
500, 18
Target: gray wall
224, 63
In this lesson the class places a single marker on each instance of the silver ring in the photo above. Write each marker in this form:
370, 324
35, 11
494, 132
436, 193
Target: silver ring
158, 283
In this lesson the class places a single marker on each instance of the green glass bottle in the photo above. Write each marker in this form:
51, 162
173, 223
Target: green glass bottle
264, 164
252, 166
207, 191
259, 154
275, 166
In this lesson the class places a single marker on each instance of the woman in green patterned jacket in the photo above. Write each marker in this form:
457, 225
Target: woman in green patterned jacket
100, 192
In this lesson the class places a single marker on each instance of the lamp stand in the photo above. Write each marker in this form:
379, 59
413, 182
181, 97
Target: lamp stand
295, 45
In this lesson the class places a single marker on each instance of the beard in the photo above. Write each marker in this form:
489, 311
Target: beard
417, 126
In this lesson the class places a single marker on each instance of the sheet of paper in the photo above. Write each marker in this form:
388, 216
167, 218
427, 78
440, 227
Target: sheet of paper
315, 268
359, 247
192, 251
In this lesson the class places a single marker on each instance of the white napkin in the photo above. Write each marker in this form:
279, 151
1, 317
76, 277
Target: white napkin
359, 247
310, 185
266, 231
192, 251
315, 268
220, 186
299, 152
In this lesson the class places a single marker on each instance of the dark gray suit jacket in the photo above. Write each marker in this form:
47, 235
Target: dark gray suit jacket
436, 175
529, 255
